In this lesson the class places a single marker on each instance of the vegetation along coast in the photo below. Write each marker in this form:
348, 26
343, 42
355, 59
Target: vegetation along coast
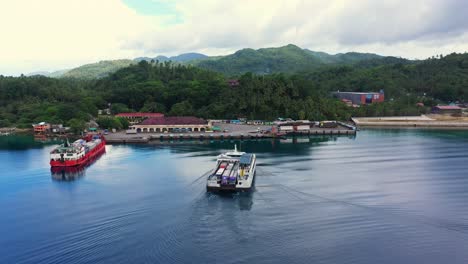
240, 85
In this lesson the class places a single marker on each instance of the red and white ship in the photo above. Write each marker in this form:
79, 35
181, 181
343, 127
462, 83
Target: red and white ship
79, 152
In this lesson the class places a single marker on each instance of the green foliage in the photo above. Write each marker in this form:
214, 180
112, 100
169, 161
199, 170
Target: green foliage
176, 89
124, 122
118, 108
97, 70
181, 109
287, 59
110, 122
4, 123
153, 107
76, 125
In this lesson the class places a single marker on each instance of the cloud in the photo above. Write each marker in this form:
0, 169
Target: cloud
54, 34
332, 26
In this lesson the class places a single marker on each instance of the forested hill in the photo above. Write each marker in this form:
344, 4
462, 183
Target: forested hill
288, 59
187, 90
443, 79
97, 70
179, 58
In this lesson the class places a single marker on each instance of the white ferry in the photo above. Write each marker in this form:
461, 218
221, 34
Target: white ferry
235, 171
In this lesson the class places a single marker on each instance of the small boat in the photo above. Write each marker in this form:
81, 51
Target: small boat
235, 171
79, 152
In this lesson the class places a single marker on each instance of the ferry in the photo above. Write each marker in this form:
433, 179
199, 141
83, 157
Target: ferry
235, 171
79, 152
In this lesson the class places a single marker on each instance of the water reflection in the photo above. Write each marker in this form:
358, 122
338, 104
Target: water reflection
299, 145
67, 173
18, 142
386, 197
244, 200
73, 173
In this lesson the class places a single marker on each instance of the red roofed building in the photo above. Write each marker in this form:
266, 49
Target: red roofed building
446, 109
135, 118
41, 128
233, 82
172, 124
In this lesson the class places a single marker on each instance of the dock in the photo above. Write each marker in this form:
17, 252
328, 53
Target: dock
423, 121
237, 132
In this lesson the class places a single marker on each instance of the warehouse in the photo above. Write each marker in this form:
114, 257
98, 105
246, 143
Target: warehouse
294, 126
172, 124
135, 118
447, 110
358, 98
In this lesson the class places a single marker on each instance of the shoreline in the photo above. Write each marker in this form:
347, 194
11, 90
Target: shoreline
416, 122
413, 128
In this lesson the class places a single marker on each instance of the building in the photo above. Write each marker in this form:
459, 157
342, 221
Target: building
233, 83
106, 111
295, 126
172, 124
255, 122
135, 118
357, 98
347, 102
41, 128
58, 128
447, 110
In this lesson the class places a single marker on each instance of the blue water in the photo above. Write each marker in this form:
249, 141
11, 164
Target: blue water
398, 196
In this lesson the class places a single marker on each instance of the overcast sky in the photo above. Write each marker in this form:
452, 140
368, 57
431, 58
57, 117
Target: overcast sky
46, 35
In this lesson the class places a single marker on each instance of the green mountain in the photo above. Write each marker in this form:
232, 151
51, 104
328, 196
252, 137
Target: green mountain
55, 74
343, 58
287, 59
97, 70
179, 58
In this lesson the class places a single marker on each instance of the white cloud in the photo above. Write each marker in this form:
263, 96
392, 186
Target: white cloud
54, 34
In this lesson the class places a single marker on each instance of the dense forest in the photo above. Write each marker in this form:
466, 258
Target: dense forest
287, 59
176, 89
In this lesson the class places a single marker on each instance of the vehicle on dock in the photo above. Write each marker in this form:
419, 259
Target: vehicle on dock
235, 171
79, 152
328, 124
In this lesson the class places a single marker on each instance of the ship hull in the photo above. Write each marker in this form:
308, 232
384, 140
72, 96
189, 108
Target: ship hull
83, 160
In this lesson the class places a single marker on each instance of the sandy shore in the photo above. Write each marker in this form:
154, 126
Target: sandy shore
423, 121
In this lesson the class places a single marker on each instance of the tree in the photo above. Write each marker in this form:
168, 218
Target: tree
109, 122
4, 123
124, 122
182, 108
119, 108
153, 107
76, 125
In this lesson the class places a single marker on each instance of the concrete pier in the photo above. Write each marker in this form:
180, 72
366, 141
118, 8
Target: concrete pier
239, 132
422, 121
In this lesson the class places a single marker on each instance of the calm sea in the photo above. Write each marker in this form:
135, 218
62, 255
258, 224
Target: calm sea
395, 196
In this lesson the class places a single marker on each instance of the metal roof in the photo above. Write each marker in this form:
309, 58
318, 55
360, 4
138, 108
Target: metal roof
246, 159
174, 120
140, 115
447, 107
357, 93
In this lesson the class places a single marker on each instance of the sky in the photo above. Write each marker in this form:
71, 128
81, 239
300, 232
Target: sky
48, 35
